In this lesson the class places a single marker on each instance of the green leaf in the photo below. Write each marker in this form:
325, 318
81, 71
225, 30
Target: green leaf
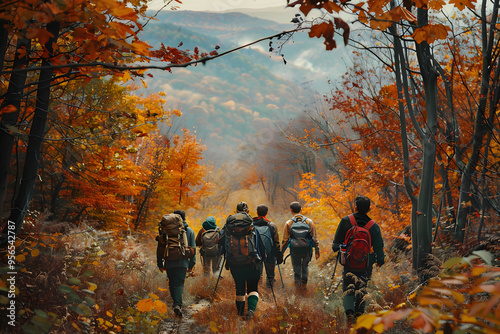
4, 300
73, 298
74, 281
451, 262
88, 273
41, 314
89, 301
81, 309
65, 289
44, 325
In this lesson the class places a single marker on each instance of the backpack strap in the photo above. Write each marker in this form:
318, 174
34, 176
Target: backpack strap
369, 224
353, 220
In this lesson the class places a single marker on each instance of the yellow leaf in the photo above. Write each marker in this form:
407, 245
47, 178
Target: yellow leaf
126, 77
160, 306
35, 252
144, 84
109, 314
152, 295
365, 321
161, 289
20, 258
95, 263
92, 287
145, 305
100, 253
213, 327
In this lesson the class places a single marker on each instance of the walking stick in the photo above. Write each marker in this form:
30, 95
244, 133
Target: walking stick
218, 278
281, 276
274, 296
333, 276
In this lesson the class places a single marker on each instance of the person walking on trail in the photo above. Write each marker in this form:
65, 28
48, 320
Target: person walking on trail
269, 234
358, 262
177, 269
244, 251
300, 235
207, 239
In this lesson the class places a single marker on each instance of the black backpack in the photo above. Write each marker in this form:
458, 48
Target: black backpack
240, 240
300, 235
267, 239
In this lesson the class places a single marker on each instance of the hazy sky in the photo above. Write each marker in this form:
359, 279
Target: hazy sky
222, 5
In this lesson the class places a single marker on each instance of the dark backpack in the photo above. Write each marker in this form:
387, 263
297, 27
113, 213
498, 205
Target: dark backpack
355, 251
209, 240
240, 240
300, 235
267, 239
172, 239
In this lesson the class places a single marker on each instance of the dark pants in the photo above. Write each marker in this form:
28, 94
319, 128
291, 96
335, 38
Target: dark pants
210, 263
246, 278
270, 269
300, 264
354, 287
176, 278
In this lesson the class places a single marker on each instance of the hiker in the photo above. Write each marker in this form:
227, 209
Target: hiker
356, 275
244, 251
269, 234
300, 235
207, 239
177, 268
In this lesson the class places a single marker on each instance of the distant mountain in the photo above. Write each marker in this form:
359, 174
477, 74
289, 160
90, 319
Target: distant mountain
236, 98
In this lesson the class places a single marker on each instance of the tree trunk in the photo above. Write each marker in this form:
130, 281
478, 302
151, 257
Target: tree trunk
9, 120
480, 126
37, 133
426, 194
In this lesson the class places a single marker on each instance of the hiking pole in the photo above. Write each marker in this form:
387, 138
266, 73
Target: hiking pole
274, 296
218, 278
281, 276
333, 276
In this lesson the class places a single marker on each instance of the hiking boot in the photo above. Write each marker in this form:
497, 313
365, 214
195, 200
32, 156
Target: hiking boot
270, 284
249, 315
178, 311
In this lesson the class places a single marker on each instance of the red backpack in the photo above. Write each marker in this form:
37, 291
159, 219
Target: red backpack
355, 250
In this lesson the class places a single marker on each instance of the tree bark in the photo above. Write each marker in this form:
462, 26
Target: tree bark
36, 136
9, 120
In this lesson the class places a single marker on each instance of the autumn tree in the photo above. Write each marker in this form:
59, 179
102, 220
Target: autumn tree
422, 22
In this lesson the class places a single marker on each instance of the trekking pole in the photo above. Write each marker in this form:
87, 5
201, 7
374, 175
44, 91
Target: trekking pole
274, 296
333, 276
281, 276
218, 278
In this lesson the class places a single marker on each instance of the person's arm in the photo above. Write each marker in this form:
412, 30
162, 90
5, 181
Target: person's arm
339, 236
198, 241
314, 238
286, 236
192, 243
378, 244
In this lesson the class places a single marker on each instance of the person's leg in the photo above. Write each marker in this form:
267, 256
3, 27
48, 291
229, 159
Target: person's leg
348, 287
305, 269
253, 277
270, 269
206, 266
360, 301
215, 265
176, 278
297, 269
239, 282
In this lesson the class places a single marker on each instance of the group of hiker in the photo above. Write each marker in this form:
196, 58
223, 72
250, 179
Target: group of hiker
247, 246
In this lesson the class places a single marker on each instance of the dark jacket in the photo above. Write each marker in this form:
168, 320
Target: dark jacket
375, 233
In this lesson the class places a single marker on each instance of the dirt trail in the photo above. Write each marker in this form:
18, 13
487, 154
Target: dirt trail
186, 324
